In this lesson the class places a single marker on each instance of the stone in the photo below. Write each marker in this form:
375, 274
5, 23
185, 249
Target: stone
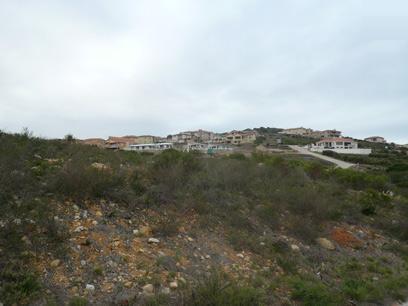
190, 239
165, 290
145, 230
26, 240
173, 285
128, 284
183, 280
148, 289
74, 290
83, 262
90, 287
99, 166
136, 232
240, 255
98, 214
55, 263
326, 243
294, 247
80, 229
153, 240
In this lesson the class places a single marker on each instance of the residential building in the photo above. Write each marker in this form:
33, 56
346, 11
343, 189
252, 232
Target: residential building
191, 136
301, 131
219, 138
325, 134
338, 145
206, 147
377, 139
98, 142
160, 146
240, 137
114, 142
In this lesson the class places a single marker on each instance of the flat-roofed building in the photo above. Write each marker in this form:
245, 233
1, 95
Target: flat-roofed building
339, 145
159, 146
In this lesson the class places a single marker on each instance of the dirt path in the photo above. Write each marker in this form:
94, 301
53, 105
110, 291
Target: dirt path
339, 163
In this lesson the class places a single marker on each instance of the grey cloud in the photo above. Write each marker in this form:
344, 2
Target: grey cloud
99, 68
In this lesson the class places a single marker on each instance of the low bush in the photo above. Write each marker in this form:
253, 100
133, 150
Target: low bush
78, 179
18, 285
78, 301
371, 200
218, 290
314, 293
361, 180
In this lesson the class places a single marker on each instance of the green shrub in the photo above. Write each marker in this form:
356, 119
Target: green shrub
78, 179
360, 180
371, 200
18, 284
166, 226
218, 290
238, 156
78, 301
313, 293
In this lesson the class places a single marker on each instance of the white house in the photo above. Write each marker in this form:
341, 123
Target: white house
338, 145
206, 147
160, 146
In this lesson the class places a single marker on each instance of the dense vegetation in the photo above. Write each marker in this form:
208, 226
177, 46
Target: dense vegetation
250, 198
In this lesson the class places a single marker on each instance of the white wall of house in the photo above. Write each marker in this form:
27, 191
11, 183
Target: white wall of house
150, 146
342, 151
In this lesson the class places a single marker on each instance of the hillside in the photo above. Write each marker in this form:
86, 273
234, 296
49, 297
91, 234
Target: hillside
86, 226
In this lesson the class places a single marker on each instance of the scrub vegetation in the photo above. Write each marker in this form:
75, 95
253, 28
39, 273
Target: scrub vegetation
272, 207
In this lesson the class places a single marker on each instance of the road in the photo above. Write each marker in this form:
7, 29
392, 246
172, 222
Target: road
339, 163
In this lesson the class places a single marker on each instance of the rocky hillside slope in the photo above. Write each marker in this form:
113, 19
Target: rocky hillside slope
84, 226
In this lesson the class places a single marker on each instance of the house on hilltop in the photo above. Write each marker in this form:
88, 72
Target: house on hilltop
376, 139
339, 145
240, 137
326, 134
300, 131
198, 136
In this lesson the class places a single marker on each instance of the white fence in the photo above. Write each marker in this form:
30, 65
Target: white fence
342, 151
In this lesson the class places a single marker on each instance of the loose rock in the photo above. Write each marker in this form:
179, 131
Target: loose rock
90, 287
148, 289
153, 240
173, 285
294, 247
326, 243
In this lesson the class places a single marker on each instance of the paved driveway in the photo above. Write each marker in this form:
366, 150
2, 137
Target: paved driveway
339, 163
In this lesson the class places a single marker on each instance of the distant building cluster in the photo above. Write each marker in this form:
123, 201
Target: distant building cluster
189, 140
201, 140
301, 131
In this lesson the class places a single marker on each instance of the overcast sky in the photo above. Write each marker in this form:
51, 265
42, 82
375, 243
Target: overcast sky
102, 67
